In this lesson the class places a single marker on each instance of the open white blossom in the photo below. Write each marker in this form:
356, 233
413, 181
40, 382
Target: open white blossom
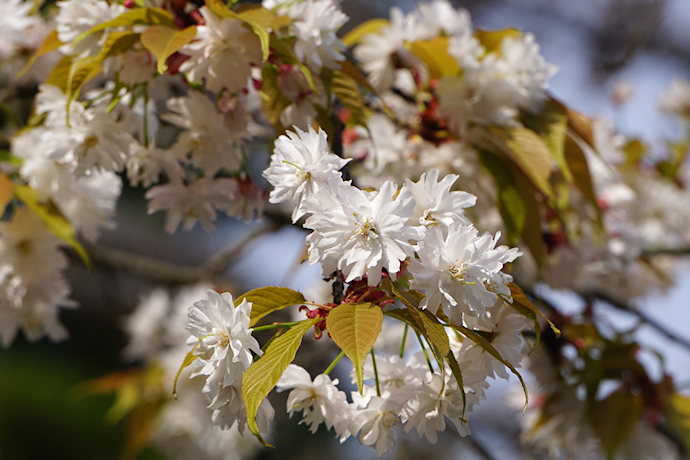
206, 138
300, 165
365, 233
222, 53
435, 204
376, 419
186, 204
14, 23
222, 338
319, 400
675, 99
454, 268
78, 16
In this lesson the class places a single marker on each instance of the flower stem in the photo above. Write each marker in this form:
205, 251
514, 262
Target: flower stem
402, 345
426, 355
376, 373
332, 365
276, 325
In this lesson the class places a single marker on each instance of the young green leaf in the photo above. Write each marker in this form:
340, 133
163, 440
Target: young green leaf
59, 75
269, 299
487, 347
434, 53
50, 43
614, 418
137, 16
551, 124
51, 216
577, 162
355, 328
356, 35
345, 88
523, 305
189, 359
677, 412
264, 373
164, 41
6, 191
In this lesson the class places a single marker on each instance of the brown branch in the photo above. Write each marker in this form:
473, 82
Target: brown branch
211, 271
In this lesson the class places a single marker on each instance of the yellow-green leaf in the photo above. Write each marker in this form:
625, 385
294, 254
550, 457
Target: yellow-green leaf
268, 299
434, 53
346, 90
487, 347
530, 153
428, 325
527, 309
6, 192
356, 35
491, 39
509, 200
59, 75
352, 71
50, 43
614, 419
164, 41
189, 359
677, 412
220, 9
273, 99
355, 328
581, 125
137, 16
577, 163
457, 373
53, 219
264, 373
551, 124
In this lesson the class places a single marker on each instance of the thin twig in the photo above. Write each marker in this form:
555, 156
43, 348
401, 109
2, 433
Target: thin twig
212, 271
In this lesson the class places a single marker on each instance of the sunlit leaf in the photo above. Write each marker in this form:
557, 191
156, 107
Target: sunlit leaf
354, 327
50, 43
269, 299
346, 90
258, 18
577, 163
614, 419
164, 41
677, 412
59, 75
491, 39
581, 125
189, 359
551, 124
487, 347
356, 35
53, 219
264, 373
526, 308
434, 53
137, 16
273, 99
6, 192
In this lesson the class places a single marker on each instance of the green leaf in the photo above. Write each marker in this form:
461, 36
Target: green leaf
189, 359
677, 412
164, 41
53, 219
371, 26
427, 324
527, 309
346, 90
274, 101
577, 163
59, 75
457, 373
264, 373
6, 192
581, 125
352, 71
487, 347
50, 43
137, 16
551, 124
491, 39
434, 53
268, 299
530, 154
83, 70
614, 419
258, 18
355, 328
509, 199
